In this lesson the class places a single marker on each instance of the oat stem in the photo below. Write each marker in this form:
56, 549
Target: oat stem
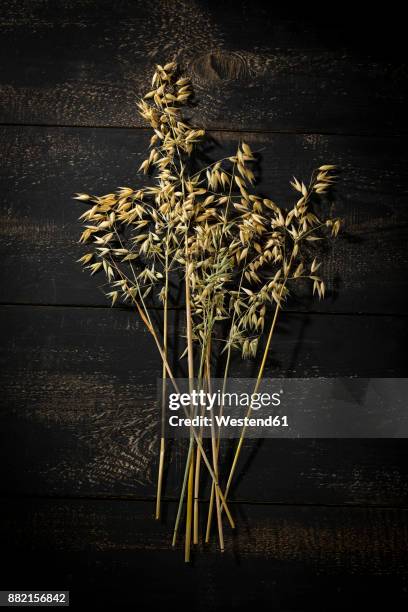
260, 375
190, 492
196, 494
164, 376
215, 468
198, 458
182, 493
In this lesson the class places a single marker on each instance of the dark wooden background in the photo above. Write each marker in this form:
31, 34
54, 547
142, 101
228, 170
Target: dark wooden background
322, 523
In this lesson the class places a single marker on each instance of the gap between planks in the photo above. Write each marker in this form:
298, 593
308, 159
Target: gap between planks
173, 500
231, 130
182, 308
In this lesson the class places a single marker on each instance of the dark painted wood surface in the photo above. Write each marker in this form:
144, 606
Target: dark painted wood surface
282, 556
251, 70
78, 378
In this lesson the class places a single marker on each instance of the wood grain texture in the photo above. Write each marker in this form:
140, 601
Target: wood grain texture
324, 526
114, 553
84, 63
367, 270
80, 416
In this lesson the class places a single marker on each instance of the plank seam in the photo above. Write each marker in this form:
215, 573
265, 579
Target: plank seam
174, 500
181, 309
214, 129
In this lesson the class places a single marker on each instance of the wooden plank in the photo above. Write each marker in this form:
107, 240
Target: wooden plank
114, 553
84, 64
366, 271
79, 414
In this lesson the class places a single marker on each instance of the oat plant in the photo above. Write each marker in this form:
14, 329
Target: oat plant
236, 255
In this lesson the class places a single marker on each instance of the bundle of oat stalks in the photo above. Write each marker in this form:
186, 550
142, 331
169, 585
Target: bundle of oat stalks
236, 254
